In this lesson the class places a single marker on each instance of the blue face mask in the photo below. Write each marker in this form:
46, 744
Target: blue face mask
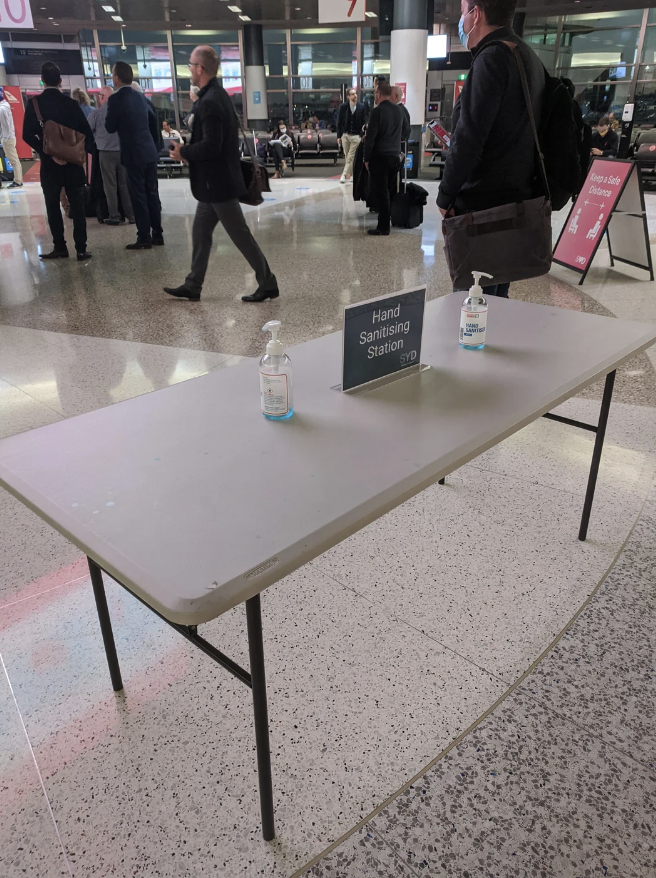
464, 38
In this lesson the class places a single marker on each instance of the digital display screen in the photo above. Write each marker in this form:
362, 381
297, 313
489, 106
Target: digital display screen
438, 46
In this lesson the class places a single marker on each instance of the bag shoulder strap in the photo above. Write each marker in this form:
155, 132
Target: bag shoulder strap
35, 104
251, 149
529, 106
534, 129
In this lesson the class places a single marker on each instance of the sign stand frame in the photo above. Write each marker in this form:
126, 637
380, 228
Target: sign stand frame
643, 213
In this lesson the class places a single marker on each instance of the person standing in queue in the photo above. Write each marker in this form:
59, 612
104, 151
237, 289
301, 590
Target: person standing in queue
113, 173
492, 160
8, 140
382, 148
217, 182
57, 174
350, 122
129, 116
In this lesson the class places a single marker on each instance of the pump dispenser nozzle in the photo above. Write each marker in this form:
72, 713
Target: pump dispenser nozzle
274, 347
477, 289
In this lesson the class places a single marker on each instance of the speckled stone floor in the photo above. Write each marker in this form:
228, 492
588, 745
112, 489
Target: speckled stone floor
412, 731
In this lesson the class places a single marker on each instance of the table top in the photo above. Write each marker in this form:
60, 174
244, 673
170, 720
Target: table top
195, 502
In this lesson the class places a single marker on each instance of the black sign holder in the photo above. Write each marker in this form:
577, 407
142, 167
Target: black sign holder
400, 332
620, 225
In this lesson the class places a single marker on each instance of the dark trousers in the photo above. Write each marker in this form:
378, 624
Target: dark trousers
144, 195
383, 173
71, 179
280, 152
230, 214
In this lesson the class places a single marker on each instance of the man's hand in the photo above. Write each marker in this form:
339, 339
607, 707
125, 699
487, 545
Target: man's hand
174, 151
446, 213
366, 164
58, 161
339, 141
596, 152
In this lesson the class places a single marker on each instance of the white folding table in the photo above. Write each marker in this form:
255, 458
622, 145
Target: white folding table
193, 502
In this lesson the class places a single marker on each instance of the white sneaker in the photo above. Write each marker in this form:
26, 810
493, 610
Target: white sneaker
342, 179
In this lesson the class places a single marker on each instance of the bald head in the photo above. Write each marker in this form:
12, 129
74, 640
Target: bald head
397, 94
104, 94
203, 65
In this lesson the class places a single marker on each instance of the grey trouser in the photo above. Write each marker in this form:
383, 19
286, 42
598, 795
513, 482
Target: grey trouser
230, 214
114, 180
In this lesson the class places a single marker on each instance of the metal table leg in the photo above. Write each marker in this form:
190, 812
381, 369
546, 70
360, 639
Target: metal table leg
596, 454
105, 625
256, 652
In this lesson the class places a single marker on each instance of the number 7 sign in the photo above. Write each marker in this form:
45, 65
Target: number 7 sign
331, 11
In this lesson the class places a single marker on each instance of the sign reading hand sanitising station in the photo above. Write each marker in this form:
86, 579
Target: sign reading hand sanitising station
382, 337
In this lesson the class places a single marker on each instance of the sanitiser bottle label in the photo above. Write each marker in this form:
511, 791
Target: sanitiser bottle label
274, 394
472, 327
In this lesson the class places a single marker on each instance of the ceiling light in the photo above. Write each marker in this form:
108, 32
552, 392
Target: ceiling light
371, 15
117, 17
56, 23
234, 8
245, 17
108, 8
50, 18
187, 25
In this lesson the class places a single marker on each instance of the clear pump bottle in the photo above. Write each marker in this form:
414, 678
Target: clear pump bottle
275, 377
473, 316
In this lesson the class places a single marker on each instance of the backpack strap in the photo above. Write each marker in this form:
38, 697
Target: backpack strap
35, 104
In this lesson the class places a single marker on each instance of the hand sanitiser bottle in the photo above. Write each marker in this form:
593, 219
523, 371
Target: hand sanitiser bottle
275, 377
473, 316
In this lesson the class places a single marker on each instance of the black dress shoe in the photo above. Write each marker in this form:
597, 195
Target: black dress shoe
83, 256
378, 232
182, 292
140, 245
158, 242
54, 254
261, 295
112, 222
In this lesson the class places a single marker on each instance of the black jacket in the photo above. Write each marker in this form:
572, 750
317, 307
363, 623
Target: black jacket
129, 115
388, 127
213, 154
56, 107
344, 118
492, 159
609, 144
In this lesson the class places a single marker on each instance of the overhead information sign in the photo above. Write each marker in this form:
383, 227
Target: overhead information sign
331, 11
382, 337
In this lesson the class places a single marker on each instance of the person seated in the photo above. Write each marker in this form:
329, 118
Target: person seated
281, 146
318, 124
605, 141
169, 133
307, 124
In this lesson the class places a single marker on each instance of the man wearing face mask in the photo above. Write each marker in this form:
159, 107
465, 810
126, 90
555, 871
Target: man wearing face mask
492, 160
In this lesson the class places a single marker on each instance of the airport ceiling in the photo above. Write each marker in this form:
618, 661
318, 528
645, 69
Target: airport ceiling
71, 15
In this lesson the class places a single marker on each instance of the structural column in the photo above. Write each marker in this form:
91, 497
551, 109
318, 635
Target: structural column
408, 58
256, 110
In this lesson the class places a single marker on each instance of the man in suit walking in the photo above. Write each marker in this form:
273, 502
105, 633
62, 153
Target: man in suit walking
350, 122
129, 116
217, 182
57, 174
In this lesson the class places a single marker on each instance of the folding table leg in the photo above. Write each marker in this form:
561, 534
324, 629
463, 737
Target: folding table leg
105, 625
256, 652
596, 454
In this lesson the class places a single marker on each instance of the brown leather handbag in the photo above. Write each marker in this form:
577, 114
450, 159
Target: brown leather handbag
61, 142
512, 241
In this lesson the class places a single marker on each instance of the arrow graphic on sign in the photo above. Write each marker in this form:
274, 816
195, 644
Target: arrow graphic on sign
603, 203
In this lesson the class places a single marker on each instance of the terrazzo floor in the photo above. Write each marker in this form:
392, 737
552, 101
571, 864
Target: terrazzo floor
383, 654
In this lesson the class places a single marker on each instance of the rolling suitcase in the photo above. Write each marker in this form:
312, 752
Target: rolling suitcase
408, 203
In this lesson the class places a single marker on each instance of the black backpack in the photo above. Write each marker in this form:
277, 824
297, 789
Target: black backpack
560, 139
